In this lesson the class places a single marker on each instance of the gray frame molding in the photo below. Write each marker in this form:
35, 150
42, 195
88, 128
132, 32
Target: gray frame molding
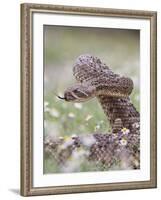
27, 11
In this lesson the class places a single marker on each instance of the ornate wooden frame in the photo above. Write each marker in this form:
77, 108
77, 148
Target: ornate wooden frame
27, 11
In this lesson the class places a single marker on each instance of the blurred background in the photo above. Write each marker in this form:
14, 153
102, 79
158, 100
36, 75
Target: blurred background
118, 48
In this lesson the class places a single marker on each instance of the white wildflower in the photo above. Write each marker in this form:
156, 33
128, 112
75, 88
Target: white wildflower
61, 138
46, 103
78, 105
88, 117
97, 127
71, 115
53, 112
123, 142
88, 140
125, 131
46, 109
74, 136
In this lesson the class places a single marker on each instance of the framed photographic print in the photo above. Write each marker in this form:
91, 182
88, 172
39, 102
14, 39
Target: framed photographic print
88, 99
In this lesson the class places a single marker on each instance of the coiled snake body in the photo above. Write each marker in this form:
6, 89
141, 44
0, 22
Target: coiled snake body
96, 79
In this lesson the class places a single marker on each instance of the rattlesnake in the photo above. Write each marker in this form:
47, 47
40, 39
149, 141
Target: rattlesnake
96, 80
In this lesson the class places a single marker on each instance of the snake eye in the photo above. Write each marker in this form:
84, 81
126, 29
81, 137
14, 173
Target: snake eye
79, 93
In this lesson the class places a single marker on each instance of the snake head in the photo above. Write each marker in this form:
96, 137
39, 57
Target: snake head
91, 71
79, 93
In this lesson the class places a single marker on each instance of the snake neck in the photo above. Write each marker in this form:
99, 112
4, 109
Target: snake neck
122, 108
